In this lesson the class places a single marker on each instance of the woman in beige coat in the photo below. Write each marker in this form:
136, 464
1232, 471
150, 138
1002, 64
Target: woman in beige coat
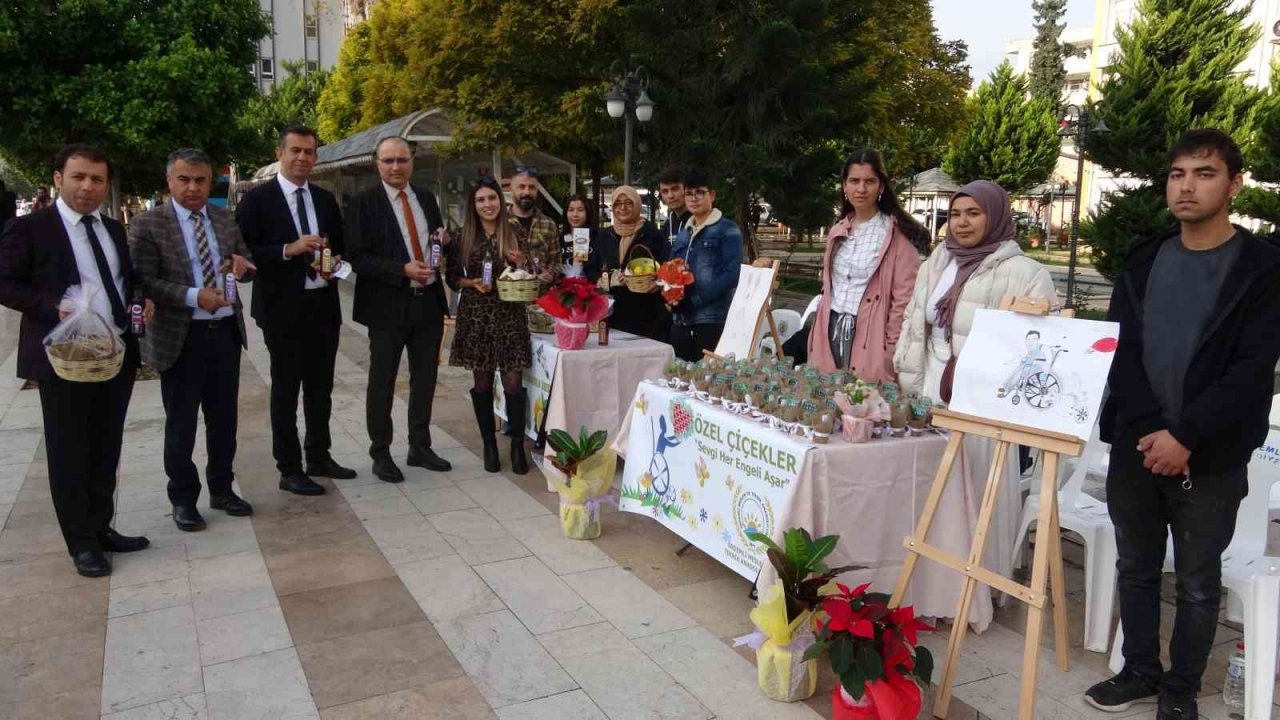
978, 265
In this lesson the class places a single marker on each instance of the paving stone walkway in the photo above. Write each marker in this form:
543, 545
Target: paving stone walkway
451, 595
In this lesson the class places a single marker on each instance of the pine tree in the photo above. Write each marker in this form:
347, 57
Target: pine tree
1010, 139
1262, 156
1045, 78
1175, 72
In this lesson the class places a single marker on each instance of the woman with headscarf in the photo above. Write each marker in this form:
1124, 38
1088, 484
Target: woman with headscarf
868, 270
979, 264
612, 248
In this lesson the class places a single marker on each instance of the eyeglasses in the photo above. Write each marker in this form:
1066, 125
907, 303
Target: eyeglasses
395, 160
696, 194
529, 170
626, 202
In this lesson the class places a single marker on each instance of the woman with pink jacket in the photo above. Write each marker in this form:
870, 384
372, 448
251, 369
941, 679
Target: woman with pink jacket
868, 272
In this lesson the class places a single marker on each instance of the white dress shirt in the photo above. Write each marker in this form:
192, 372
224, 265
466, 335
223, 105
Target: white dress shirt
197, 273
87, 265
419, 220
291, 196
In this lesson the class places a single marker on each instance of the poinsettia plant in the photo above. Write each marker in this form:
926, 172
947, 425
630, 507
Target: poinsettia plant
801, 567
575, 299
873, 648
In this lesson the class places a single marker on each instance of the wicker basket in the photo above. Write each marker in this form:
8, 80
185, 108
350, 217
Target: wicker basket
539, 321
519, 290
641, 283
87, 370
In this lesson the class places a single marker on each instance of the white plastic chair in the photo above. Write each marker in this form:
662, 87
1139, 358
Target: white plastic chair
1253, 590
1089, 518
810, 309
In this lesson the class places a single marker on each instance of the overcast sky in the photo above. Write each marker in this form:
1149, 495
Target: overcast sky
986, 25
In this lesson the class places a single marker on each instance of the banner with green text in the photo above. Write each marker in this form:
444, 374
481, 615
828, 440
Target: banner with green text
709, 475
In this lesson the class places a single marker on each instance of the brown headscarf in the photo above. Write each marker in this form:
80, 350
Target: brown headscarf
994, 202
626, 231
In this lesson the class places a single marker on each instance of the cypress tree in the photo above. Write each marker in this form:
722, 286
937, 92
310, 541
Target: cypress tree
1010, 139
1175, 71
1045, 78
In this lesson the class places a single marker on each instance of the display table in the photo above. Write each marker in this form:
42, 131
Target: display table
708, 475
587, 387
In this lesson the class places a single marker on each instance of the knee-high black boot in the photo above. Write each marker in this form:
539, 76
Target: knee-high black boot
517, 409
482, 402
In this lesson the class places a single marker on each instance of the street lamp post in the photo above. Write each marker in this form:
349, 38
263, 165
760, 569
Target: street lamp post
1078, 124
629, 98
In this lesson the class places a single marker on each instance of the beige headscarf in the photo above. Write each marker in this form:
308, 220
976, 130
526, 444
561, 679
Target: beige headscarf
627, 231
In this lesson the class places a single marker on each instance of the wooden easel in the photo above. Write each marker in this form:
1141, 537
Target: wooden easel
766, 311
1048, 553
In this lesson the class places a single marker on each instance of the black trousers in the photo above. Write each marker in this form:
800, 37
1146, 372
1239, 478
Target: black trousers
83, 432
689, 341
205, 377
420, 333
302, 358
1145, 509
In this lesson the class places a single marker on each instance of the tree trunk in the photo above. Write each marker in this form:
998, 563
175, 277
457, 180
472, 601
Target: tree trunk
744, 222
597, 175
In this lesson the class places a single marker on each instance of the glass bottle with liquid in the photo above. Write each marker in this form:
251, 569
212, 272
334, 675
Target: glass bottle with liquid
229, 288
137, 314
486, 275
326, 258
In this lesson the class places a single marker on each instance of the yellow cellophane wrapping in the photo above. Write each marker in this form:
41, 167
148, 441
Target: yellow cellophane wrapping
783, 674
593, 479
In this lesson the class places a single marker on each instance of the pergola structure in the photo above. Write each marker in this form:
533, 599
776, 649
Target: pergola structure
346, 167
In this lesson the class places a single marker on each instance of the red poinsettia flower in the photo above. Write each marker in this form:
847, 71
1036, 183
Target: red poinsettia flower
905, 620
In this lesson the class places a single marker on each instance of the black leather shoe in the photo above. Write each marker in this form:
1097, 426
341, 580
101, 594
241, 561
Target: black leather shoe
232, 504
330, 469
386, 471
426, 458
91, 563
112, 541
300, 484
187, 518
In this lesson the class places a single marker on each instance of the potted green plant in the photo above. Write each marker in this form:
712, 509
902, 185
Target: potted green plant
583, 476
784, 615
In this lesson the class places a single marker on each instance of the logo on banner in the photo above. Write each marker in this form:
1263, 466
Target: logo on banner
681, 418
751, 512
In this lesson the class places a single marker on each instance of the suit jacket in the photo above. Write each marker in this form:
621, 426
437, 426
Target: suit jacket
376, 249
37, 265
267, 226
163, 266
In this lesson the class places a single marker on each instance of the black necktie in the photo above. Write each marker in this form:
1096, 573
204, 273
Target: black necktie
305, 225
104, 272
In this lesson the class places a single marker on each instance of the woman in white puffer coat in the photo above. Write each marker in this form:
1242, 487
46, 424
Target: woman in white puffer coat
979, 264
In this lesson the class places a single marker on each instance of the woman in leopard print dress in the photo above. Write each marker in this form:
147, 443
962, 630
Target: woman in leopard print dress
490, 334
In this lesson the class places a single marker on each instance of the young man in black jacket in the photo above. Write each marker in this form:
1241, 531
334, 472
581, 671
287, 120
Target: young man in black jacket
1190, 392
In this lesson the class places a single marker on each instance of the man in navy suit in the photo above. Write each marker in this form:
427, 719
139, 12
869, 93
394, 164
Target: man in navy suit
41, 255
285, 223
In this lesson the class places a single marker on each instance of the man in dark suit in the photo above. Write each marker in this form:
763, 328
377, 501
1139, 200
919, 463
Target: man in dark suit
180, 250
41, 255
400, 298
285, 222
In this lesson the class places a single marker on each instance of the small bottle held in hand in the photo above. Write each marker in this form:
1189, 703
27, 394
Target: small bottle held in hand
137, 316
436, 250
326, 259
486, 277
1233, 685
229, 288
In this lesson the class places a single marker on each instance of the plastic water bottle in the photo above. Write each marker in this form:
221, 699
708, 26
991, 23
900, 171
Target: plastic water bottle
1233, 685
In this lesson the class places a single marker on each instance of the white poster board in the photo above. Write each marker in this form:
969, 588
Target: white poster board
755, 284
708, 475
537, 383
1045, 372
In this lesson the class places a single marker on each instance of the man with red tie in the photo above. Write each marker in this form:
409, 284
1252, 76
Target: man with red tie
391, 231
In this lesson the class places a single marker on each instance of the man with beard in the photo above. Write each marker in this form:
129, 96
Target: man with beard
537, 232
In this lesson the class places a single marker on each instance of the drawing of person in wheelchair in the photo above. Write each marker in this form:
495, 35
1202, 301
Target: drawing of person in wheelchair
1033, 376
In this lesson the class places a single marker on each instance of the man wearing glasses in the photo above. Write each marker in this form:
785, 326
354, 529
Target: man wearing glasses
536, 231
395, 239
712, 247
